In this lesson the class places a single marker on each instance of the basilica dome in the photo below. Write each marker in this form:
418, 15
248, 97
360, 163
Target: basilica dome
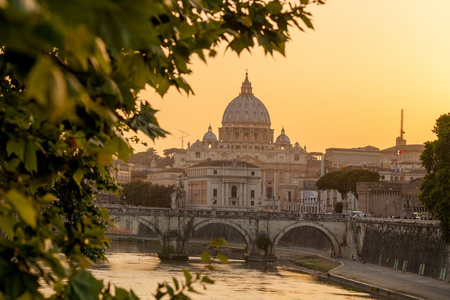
209, 136
246, 109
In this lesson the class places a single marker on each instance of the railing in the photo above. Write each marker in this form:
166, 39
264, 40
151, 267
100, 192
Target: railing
228, 214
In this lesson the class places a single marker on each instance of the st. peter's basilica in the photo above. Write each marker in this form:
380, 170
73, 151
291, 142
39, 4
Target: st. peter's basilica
246, 135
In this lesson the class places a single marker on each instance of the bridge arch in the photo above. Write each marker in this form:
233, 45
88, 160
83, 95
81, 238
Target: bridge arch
328, 234
151, 226
139, 220
240, 229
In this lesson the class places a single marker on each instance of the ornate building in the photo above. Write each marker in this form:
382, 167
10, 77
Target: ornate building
223, 184
246, 135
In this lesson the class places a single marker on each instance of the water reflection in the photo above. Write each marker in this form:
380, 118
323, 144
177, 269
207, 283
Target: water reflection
136, 266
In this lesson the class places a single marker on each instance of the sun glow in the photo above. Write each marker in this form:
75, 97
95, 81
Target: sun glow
341, 85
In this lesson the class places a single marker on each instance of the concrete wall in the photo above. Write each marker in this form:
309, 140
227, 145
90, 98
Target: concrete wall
406, 245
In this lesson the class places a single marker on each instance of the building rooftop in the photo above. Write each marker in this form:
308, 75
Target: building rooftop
225, 163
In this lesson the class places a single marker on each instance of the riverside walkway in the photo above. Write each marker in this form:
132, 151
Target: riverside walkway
393, 283
386, 282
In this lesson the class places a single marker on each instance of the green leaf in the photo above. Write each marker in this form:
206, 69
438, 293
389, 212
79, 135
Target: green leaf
219, 242
223, 259
206, 258
47, 84
7, 223
208, 280
46, 199
78, 176
83, 286
246, 21
187, 275
30, 157
17, 147
23, 206
175, 282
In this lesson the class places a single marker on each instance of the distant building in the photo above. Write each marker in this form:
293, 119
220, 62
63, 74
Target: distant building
361, 157
402, 155
304, 197
121, 171
387, 199
223, 184
139, 175
166, 177
399, 174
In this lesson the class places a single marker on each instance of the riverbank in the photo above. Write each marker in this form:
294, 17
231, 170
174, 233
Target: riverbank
381, 281
377, 280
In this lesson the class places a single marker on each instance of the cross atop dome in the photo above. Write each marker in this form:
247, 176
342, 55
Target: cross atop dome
246, 88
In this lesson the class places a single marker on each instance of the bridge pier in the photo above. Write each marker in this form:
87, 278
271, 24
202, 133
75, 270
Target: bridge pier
261, 250
173, 246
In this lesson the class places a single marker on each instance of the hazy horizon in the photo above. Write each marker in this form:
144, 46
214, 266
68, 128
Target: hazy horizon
342, 85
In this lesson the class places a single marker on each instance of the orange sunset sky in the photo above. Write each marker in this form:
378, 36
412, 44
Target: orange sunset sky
340, 85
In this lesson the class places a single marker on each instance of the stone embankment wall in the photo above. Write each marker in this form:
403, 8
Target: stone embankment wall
406, 245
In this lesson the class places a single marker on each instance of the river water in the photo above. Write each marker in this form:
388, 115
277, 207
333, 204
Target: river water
136, 266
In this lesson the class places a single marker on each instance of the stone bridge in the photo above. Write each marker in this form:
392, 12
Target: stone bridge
175, 227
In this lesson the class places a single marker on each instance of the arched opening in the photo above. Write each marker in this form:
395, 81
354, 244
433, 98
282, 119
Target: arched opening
233, 234
144, 230
217, 230
305, 237
308, 235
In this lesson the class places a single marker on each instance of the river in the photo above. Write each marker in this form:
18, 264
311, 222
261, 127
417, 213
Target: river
136, 266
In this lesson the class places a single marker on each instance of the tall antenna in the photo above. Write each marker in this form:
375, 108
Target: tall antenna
182, 137
401, 125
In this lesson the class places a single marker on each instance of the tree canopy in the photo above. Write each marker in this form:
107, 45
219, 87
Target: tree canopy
345, 181
142, 193
435, 186
70, 76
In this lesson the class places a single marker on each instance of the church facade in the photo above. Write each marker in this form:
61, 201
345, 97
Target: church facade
246, 135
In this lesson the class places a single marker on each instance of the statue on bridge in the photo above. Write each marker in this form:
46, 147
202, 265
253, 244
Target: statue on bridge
177, 195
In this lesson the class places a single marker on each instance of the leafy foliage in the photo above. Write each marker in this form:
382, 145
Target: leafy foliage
70, 76
435, 186
345, 181
141, 193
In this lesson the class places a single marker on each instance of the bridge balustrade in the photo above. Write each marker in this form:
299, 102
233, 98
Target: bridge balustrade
265, 215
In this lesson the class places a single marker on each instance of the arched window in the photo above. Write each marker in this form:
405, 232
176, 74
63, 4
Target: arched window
234, 191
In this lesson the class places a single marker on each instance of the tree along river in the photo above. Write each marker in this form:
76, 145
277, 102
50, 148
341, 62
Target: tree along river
136, 266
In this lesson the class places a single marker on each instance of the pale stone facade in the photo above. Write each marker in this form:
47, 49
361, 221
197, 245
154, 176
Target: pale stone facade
246, 135
166, 177
361, 157
399, 174
224, 185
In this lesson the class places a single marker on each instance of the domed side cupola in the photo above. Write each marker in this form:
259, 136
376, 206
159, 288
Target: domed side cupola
209, 136
282, 138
